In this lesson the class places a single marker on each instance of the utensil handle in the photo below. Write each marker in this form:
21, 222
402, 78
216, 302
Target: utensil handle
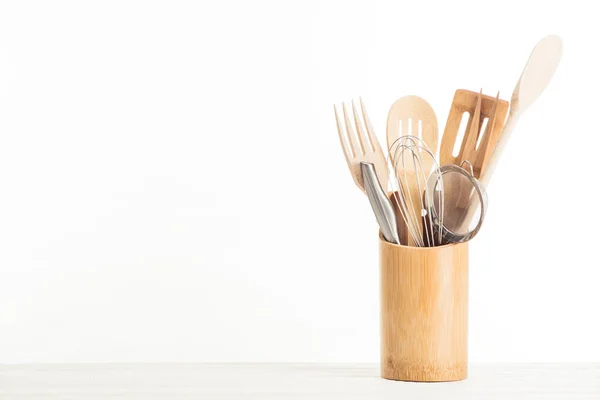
489, 169
499, 148
381, 204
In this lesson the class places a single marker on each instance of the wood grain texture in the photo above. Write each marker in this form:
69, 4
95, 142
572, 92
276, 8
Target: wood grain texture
424, 312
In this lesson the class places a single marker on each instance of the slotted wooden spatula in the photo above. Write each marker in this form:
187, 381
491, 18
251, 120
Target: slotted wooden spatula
477, 144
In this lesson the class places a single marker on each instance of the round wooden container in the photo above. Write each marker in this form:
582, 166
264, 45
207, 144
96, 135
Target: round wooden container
424, 307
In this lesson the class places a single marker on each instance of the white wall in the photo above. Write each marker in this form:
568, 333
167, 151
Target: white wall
172, 187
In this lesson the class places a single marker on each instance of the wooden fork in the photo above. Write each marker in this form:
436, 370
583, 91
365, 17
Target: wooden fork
362, 147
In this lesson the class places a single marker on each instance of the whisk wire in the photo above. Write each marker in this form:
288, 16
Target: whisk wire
410, 170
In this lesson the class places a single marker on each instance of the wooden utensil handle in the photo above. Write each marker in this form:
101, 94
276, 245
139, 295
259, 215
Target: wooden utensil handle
488, 170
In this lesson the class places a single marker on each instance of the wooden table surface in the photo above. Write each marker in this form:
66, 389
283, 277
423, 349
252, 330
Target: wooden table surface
294, 381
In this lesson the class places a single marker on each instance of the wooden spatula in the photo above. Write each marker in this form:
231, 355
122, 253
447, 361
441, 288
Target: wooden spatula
476, 146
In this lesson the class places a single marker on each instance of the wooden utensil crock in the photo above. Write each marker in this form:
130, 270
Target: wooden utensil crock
424, 308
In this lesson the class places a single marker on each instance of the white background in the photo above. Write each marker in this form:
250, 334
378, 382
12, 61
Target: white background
172, 186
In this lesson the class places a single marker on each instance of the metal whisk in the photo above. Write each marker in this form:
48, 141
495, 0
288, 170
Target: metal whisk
412, 163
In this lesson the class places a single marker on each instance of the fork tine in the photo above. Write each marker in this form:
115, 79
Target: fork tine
350, 133
361, 133
347, 151
370, 131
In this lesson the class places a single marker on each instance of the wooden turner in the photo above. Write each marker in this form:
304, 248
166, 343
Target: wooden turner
476, 146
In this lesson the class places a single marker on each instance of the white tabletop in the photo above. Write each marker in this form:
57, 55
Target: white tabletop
296, 381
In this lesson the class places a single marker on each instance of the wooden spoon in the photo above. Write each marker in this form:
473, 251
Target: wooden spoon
538, 72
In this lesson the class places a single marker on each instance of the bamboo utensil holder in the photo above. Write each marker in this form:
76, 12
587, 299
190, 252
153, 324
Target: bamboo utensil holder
424, 292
